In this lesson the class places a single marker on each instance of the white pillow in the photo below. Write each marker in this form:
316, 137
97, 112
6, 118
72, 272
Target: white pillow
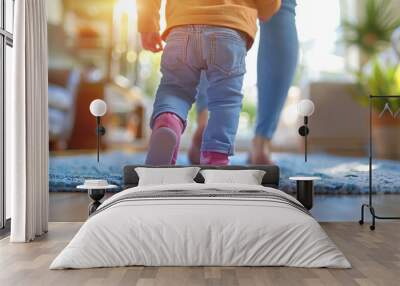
166, 176
247, 177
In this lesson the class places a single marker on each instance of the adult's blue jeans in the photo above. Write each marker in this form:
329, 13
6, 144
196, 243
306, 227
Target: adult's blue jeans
276, 67
220, 54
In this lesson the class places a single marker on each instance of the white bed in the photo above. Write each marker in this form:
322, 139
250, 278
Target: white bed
183, 230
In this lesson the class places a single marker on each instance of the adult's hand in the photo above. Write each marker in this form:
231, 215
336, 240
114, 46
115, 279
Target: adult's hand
152, 42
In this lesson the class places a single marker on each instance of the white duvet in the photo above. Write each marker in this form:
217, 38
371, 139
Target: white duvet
200, 231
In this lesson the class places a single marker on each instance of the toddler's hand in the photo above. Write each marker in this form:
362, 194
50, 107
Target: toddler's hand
152, 42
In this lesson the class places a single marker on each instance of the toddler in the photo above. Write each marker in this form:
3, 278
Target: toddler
212, 36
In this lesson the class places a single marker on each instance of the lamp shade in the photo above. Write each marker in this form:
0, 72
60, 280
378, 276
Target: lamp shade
98, 107
305, 107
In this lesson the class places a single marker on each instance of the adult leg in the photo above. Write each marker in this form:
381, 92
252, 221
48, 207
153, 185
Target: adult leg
277, 62
202, 117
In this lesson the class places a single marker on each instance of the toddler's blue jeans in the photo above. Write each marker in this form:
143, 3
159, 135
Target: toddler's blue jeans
220, 54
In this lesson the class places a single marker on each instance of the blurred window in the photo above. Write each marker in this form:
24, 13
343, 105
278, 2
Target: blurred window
321, 54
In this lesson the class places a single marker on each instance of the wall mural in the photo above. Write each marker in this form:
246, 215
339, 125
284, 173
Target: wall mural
95, 53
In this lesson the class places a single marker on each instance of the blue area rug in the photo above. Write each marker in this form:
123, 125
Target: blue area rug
340, 175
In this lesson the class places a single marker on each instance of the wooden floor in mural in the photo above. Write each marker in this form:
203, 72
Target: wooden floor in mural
375, 257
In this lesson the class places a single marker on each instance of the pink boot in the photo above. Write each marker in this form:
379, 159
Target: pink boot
164, 140
214, 158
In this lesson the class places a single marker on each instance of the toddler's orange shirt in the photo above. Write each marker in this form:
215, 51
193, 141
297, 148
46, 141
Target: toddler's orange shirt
237, 14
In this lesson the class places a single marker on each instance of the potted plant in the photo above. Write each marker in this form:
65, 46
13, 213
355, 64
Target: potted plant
379, 80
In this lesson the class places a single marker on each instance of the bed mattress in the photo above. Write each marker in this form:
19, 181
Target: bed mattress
201, 225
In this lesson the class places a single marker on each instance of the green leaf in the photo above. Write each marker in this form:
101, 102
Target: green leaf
373, 31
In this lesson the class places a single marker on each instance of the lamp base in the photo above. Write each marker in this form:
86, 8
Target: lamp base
96, 195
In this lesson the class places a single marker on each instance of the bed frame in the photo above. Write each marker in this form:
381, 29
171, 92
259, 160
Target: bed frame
270, 179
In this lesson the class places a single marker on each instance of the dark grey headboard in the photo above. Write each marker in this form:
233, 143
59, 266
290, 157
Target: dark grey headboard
271, 177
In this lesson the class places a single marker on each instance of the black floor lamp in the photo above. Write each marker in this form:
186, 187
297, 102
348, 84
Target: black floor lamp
98, 108
97, 187
305, 184
305, 108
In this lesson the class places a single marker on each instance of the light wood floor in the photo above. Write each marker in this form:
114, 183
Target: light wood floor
375, 257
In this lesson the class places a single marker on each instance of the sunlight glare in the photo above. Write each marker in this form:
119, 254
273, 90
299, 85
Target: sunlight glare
125, 7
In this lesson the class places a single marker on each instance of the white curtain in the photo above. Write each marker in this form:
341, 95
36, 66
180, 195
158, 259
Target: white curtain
27, 124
